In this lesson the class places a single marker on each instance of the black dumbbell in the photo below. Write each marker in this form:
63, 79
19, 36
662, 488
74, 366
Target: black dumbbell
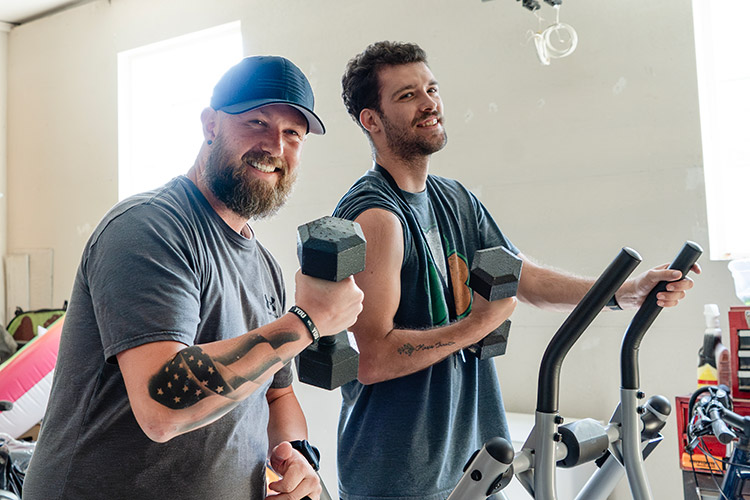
494, 275
332, 249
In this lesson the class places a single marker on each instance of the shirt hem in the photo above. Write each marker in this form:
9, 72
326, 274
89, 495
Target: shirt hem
435, 496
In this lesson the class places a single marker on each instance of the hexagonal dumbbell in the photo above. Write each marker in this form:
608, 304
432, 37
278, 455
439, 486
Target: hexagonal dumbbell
494, 275
332, 249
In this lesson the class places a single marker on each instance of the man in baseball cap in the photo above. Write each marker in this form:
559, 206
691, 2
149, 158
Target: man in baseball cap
173, 377
261, 80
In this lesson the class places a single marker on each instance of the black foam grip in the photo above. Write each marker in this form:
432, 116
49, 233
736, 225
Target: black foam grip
646, 315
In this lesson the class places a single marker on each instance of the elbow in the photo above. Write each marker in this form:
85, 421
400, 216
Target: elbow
158, 435
157, 430
367, 378
370, 371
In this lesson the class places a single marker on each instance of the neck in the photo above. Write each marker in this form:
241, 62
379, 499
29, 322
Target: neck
410, 175
234, 221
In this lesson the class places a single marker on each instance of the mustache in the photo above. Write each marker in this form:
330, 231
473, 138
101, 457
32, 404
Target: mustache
424, 116
265, 159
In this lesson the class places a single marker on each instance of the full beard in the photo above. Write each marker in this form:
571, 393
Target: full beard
249, 197
409, 146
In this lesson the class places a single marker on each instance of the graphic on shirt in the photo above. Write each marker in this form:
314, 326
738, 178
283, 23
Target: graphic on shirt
438, 307
271, 305
458, 268
434, 241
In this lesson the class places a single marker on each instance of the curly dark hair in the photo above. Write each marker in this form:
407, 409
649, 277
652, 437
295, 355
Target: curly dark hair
361, 88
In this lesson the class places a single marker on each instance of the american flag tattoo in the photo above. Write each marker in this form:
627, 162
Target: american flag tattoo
188, 378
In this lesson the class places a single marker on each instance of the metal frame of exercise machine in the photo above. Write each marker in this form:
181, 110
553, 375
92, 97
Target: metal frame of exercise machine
619, 447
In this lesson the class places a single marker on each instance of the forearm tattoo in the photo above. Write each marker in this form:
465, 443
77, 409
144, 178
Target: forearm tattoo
193, 375
408, 349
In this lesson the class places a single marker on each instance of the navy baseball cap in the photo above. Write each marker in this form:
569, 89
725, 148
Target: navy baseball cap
260, 80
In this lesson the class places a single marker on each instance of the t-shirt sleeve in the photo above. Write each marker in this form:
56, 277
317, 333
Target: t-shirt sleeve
283, 378
367, 194
143, 281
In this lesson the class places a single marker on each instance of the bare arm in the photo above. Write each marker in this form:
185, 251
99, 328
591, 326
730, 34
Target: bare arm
549, 288
174, 389
386, 352
286, 422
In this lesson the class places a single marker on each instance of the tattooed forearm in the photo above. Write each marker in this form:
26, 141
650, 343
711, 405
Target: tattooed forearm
193, 375
408, 349
278, 340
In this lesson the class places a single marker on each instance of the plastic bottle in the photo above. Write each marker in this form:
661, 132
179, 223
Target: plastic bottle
723, 365
713, 358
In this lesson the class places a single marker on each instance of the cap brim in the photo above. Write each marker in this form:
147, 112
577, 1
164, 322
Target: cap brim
315, 125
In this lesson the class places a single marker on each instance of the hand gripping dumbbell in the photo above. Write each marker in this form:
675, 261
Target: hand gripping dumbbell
494, 275
332, 249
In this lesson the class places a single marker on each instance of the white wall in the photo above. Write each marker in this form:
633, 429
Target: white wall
575, 160
4, 35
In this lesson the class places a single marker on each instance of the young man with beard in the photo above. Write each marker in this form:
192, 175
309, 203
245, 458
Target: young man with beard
173, 379
420, 406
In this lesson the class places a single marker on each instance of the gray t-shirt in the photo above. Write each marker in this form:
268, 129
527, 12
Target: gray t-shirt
425, 216
160, 266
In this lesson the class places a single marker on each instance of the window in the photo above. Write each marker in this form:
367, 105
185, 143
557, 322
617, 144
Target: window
724, 92
163, 87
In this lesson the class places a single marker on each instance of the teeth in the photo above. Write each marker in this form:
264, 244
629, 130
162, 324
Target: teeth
263, 168
430, 123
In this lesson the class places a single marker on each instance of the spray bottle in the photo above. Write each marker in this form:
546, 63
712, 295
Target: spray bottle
713, 358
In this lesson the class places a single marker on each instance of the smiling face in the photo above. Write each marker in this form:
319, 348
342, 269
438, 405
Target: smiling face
252, 164
411, 110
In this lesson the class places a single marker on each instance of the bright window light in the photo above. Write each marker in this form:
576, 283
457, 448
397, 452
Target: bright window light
163, 87
724, 91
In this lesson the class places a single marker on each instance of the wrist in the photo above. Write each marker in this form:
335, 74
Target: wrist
613, 304
307, 321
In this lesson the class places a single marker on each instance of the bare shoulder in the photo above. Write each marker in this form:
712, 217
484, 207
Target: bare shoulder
384, 235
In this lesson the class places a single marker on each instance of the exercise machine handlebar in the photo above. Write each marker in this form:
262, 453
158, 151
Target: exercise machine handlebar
630, 383
646, 315
570, 331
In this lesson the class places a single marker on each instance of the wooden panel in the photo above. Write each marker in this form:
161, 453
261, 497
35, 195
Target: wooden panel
40, 278
17, 283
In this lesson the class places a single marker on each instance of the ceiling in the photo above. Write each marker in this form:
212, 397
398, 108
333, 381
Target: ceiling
22, 11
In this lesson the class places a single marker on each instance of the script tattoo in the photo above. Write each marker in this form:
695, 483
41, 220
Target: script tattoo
408, 349
193, 375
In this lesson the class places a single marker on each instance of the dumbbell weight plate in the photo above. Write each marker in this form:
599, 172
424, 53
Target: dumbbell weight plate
493, 344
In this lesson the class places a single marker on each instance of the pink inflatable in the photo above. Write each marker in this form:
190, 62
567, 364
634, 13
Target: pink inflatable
26, 380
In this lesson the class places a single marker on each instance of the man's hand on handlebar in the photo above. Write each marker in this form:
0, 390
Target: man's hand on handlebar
298, 477
632, 293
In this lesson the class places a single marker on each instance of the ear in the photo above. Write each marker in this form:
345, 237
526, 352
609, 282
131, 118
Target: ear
370, 120
209, 118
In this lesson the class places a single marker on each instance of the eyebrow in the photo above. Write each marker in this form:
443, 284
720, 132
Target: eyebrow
266, 115
411, 86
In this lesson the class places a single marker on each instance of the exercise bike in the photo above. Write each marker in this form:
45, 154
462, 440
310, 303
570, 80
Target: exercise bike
618, 448
710, 413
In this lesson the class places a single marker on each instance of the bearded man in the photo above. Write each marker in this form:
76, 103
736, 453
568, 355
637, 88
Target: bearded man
173, 376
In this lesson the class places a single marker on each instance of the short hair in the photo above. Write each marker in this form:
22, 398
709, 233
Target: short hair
360, 85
